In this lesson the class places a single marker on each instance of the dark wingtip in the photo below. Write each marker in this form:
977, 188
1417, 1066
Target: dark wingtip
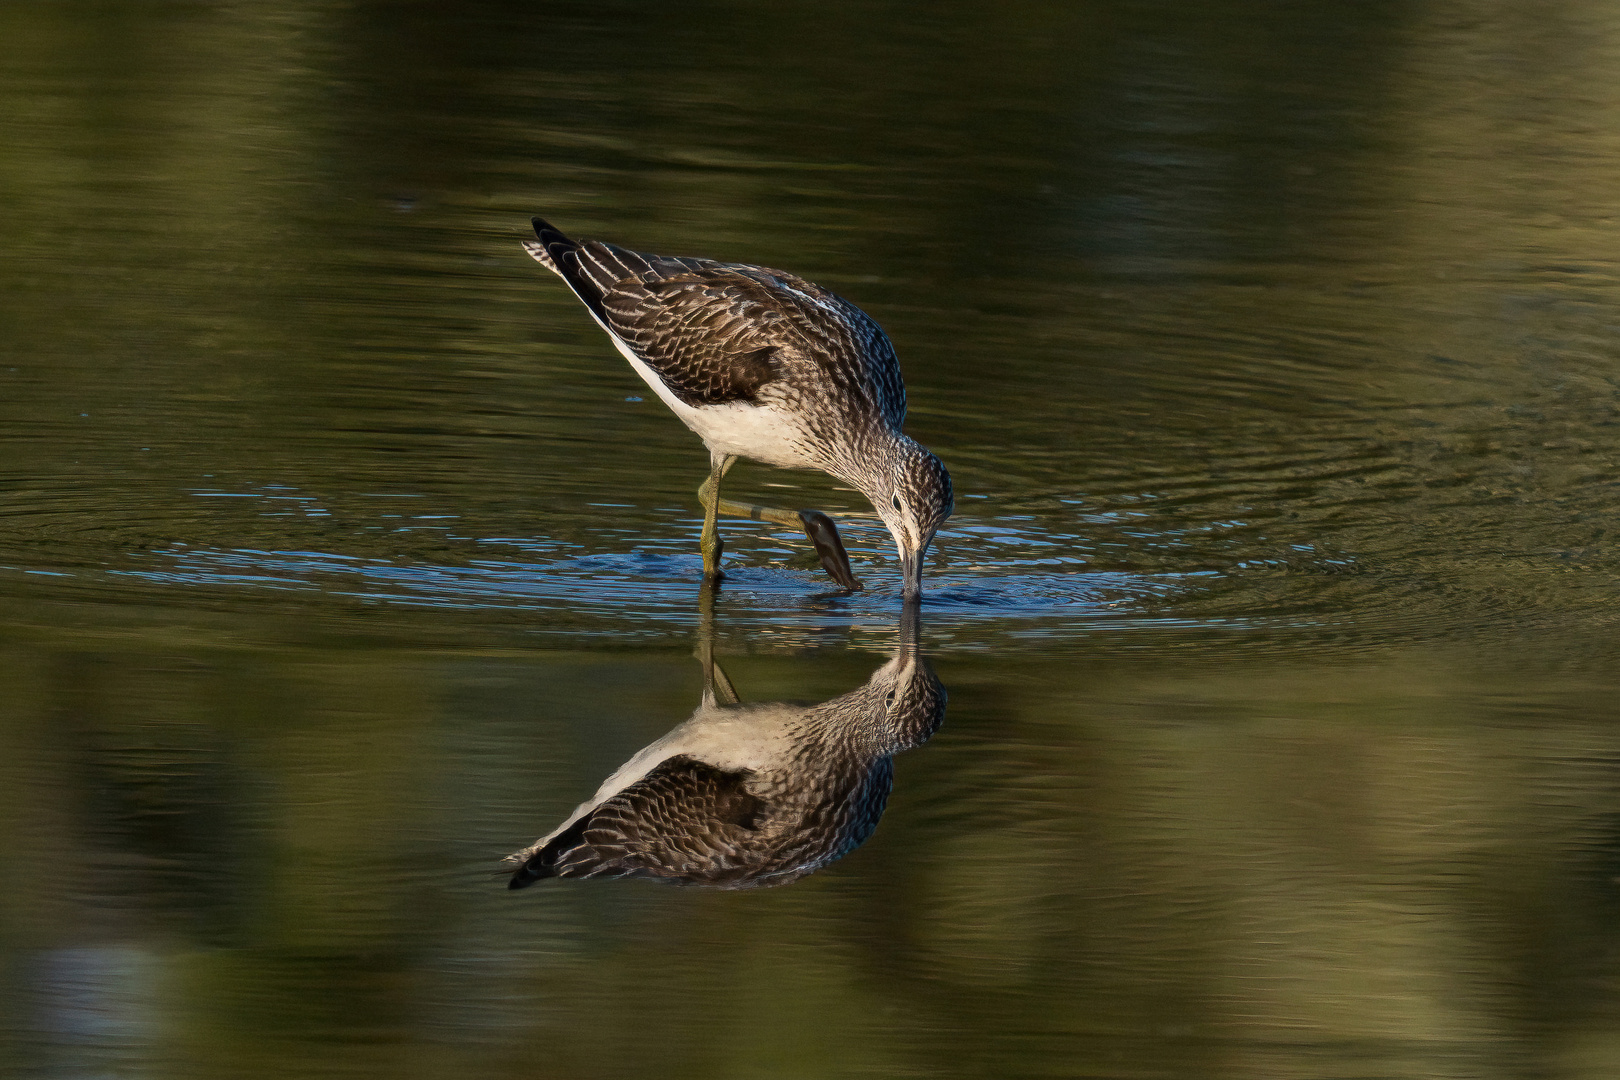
548, 233
542, 863
834, 559
530, 872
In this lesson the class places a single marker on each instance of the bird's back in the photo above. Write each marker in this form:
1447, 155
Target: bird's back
736, 797
717, 332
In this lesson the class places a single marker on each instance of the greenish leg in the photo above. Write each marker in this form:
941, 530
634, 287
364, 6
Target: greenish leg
710, 543
789, 518
816, 525
717, 688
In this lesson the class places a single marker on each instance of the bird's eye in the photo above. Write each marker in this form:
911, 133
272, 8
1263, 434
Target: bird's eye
895, 502
888, 700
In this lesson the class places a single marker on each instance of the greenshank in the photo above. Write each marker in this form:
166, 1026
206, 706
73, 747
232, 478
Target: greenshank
765, 365
742, 796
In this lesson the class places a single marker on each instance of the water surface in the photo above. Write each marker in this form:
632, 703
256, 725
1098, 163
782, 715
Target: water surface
1273, 356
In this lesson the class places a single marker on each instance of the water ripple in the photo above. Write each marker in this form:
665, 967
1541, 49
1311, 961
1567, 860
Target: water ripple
645, 585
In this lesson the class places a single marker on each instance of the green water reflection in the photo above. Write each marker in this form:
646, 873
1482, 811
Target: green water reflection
1272, 351
745, 794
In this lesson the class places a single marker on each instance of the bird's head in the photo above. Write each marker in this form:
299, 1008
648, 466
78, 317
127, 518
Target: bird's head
903, 703
911, 492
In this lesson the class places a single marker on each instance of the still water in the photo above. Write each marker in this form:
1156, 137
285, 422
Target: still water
1272, 349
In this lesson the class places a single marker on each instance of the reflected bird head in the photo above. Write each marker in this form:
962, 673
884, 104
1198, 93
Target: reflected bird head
903, 703
744, 796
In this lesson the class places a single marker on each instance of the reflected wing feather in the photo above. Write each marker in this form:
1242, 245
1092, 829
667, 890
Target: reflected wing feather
684, 820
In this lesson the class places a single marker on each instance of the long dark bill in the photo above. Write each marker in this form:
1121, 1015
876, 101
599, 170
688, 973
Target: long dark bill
911, 571
911, 624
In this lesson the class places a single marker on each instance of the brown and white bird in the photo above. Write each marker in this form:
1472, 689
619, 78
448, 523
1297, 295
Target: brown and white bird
743, 796
765, 365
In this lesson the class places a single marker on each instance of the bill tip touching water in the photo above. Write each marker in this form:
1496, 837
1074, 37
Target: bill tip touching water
765, 365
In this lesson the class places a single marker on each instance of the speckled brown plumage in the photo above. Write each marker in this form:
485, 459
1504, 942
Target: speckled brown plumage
765, 365
742, 796
720, 332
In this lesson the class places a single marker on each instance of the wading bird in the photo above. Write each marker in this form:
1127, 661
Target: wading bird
765, 365
742, 796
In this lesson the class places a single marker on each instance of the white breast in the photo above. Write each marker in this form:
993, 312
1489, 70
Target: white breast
756, 432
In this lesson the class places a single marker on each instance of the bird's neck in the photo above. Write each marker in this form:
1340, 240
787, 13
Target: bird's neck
869, 723
868, 466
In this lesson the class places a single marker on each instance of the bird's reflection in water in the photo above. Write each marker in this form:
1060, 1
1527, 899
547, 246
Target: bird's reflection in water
744, 796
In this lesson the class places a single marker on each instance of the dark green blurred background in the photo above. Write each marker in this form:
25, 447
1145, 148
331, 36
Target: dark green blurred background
1272, 348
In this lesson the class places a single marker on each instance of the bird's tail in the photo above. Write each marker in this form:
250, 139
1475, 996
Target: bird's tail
592, 268
532, 864
551, 247
561, 256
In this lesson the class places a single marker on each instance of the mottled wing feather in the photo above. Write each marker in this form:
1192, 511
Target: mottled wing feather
870, 346
713, 335
867, 806
685, 820
719, 332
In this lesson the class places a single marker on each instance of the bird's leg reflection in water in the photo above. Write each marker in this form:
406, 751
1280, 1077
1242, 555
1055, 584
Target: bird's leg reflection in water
742, 796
